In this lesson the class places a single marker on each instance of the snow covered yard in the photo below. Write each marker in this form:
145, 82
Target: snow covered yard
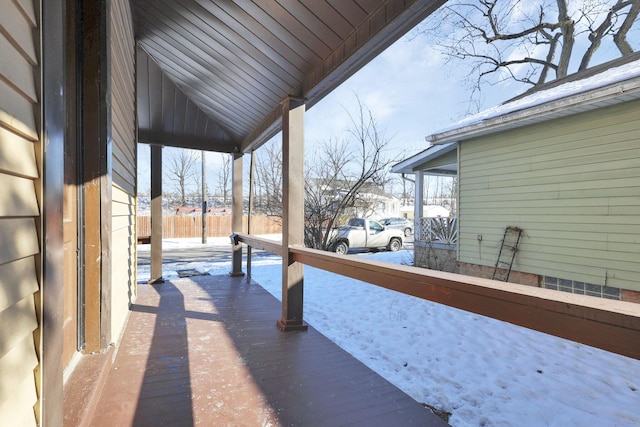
483, 371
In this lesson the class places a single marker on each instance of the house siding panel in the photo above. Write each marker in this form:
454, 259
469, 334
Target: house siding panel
17, 281
123, 208
448, 159
23, 396
123, 260
18, 213
18, 197
17, 365
14, 69
571, 184
17, 28
17, 155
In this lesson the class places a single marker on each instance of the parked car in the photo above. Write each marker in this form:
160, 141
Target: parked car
364, 233
399, 224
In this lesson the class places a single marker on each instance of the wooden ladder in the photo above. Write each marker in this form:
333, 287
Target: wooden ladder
508, 249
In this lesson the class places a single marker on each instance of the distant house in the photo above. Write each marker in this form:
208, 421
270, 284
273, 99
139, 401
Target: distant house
380, 206
435, 211
370, 202
563, 165
429, 211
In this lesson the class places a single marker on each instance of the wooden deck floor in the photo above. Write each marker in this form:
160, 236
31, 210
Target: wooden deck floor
206, 351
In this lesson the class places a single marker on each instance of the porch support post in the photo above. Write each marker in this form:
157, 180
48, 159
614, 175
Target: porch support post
97, 171
292, 213
236, 214
418, 206
156, 214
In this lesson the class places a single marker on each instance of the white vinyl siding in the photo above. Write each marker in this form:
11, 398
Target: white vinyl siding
19, 212
572, 185
123, 266
123, 208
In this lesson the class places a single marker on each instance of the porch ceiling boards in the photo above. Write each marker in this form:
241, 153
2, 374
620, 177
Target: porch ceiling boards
231, 63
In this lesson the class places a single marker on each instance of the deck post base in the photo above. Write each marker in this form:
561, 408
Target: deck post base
291, 325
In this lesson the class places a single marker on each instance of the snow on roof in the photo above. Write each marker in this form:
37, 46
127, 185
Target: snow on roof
432, 152
613, 78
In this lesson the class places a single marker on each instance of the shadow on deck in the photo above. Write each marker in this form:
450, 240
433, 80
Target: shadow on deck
206, 351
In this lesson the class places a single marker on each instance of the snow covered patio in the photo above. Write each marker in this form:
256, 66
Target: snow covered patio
205, 350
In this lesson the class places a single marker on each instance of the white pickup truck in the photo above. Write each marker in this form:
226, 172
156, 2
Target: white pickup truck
364, 233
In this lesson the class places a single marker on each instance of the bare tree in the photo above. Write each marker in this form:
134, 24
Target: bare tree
337, 177
340, 173
224, 177
531, 42
325, 186
181, 170
268, 181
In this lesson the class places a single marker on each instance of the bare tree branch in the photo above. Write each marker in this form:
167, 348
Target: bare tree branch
268, 180
530, 42
224, 178
606, 27
341, 173
568, 32
180, 170
620, 38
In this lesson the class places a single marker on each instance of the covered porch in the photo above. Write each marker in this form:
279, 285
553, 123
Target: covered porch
436, 238
257, 374
204, 350
84, 82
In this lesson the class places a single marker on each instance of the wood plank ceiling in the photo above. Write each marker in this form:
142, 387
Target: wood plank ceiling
212, 74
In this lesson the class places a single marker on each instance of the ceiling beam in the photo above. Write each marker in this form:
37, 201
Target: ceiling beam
191, 142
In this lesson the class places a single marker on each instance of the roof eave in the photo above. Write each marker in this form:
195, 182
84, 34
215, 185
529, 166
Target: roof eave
413, 163
378, 32
607, 95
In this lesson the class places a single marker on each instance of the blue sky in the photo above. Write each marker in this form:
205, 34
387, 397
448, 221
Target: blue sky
410, 90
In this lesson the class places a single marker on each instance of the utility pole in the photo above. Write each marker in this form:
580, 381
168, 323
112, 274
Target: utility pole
204, 197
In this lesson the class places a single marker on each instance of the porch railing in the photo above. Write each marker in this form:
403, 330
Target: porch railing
439, 229
607, 324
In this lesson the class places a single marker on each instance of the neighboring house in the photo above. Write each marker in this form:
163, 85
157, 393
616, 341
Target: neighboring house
379, 206
435, 211
370, 202
428, 211
562, 164
407, 211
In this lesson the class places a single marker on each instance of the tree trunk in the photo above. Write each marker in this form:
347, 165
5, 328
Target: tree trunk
567, 27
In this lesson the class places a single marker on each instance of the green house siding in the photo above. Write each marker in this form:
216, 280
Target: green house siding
572, 185
451, 158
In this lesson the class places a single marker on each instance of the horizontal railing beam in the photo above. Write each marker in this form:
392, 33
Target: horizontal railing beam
268, 245
607, 324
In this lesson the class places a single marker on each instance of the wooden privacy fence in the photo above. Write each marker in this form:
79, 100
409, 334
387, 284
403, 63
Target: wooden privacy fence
191, 226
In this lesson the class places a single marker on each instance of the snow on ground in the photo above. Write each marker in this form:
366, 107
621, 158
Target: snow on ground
484, 371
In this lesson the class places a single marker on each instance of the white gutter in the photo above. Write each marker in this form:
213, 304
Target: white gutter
611, 87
